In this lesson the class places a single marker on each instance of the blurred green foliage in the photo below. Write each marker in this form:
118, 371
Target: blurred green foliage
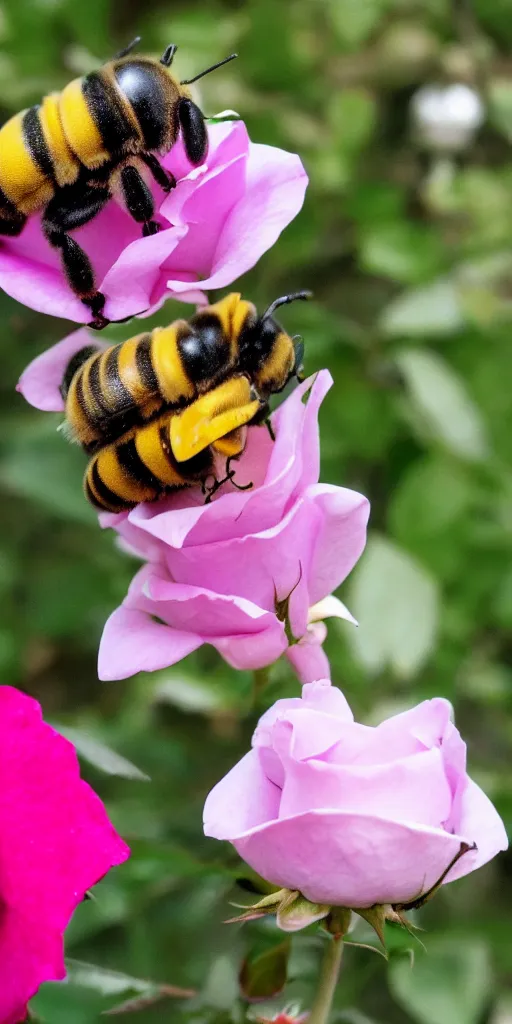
409, 256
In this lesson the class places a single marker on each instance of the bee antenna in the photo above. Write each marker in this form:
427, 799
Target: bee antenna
284, 300
189, 81
128, 49
167, 57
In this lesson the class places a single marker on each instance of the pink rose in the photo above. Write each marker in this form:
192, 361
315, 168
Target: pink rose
215, 225
243, 572
55, 843
352, 815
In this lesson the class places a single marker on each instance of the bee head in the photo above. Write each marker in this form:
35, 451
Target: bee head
268, 353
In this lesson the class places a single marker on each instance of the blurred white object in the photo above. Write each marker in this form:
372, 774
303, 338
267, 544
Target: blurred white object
446, 117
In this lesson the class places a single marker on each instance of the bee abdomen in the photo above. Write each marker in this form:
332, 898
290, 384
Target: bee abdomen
74, 365
141, 466
23, 181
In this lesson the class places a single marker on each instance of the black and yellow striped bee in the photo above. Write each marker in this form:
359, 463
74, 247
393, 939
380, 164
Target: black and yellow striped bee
98, 137
155, 410
174, 450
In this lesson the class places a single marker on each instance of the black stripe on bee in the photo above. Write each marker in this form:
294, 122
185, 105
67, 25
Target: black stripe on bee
144, 91
144, 364
81, 399
74, 364
107, 497
114, 125
97, 393
118, 396
6, 206
90, 495
36, 142
132, 464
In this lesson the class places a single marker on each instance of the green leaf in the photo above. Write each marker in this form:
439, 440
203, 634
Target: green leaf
221, 989
435, 493
353, 20
395, 601
352, 115
264, 976
42, 466
114, 983
99, 755
449, 984
402, 251
439, 396
433, 310
189, 693
104, 981
499, 97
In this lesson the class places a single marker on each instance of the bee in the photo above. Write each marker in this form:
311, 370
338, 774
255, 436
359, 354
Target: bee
175, 450
97, 138
108, 392
154, 411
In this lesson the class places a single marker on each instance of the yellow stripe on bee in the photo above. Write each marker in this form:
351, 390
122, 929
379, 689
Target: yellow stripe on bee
80, 129
115, 478
173, 382
128, 370
240, 313
279, 364
211, 417
65, 163
95, 410
21, 178
77, 419
89, 485
110, 397
149, 449
232, 312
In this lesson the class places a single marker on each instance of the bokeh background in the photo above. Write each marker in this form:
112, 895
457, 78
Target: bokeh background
409, 254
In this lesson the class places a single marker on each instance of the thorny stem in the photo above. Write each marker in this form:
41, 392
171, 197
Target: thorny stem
328, 980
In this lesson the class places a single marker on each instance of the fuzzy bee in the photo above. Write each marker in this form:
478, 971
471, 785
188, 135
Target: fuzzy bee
154, 411
97, 138
175, 450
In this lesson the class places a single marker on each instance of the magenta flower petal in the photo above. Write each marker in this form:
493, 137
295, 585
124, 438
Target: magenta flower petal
215, 225
362, 815
55, 843
40, 382
26, 963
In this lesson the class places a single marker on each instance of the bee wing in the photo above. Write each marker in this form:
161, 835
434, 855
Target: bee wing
212, 416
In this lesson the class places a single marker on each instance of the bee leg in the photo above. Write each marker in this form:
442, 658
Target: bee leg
230, 476
268, 423
71, 209
138, 199
193, 129
164, 178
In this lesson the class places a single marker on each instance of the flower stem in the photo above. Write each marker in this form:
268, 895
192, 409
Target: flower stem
261, 679
328, 980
